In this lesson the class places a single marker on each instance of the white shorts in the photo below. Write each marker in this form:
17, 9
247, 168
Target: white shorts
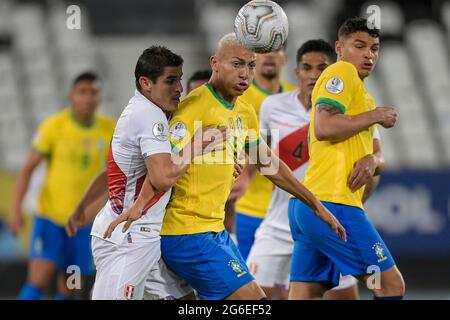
131, 271
163, 284
273, 270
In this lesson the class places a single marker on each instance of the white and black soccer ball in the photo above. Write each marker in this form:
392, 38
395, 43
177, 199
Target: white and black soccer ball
261, 26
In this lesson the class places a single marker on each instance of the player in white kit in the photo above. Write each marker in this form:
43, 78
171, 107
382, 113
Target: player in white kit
139, 158
284, 123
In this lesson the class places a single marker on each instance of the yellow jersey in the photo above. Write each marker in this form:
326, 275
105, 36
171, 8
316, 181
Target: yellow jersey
76, 154
256, 199
332, 163
198, 198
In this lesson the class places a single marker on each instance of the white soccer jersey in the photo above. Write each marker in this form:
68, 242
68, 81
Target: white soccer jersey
285, 119
141, 131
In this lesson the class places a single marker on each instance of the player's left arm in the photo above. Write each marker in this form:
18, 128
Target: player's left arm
280, 175
366, 168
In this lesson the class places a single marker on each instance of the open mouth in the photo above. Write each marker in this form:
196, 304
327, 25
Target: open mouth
242, 86
367, 66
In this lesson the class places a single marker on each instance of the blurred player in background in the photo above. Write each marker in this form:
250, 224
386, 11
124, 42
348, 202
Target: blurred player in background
75, 144
342, 161
197, 79
194, 243
252, 190
288, 115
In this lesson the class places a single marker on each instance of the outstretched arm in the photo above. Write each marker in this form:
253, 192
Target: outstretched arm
280, 174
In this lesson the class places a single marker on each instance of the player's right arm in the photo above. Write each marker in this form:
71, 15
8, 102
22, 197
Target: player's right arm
331, 124
135, 212
163, 173
164, 169
333, 98
15, 221
42, 147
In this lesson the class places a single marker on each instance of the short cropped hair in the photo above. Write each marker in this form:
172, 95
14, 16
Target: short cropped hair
86, 76
357, 24
316, 45
152, 61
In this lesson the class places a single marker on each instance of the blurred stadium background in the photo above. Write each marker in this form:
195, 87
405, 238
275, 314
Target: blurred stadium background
39, 56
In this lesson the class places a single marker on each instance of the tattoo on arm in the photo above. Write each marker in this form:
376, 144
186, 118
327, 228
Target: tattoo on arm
328, 108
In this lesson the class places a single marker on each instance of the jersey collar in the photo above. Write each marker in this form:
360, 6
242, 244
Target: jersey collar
267, 93
82, 125
226, 104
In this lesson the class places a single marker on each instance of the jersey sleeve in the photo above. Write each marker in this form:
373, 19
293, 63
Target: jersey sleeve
337, 86
152, 132
185, 121
253, 136
44, 140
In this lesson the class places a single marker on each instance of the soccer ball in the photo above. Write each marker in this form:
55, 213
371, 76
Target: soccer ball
261, 26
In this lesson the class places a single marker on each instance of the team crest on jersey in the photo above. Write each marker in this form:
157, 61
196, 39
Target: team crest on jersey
239, 124
231, 122
160, 131
129, 292
178, 131
335, 85
379, 251
237, 268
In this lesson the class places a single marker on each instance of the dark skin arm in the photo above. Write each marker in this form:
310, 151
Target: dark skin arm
366, 168
331, 124
15, 221
280, 174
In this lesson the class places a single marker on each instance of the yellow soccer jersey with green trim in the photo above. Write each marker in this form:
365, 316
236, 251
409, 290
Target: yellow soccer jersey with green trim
198, 198
332, 163
76, 154
255, 202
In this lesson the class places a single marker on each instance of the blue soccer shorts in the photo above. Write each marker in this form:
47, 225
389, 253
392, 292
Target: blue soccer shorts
319, 255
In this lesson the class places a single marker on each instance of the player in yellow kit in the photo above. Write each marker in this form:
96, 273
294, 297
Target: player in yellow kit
75, 144
194, 243
342, 162
255, 189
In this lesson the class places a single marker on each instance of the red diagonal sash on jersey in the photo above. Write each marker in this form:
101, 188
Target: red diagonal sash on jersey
293, 149
117, 182
152, 201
